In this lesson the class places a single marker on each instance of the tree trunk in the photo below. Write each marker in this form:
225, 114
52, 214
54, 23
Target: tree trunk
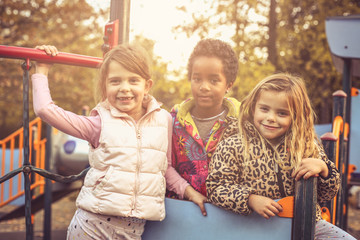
272, 50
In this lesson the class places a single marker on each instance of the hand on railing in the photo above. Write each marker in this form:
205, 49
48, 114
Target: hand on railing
61, 58
311, 167
42, 67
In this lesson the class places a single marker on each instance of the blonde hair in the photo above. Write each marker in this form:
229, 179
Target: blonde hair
300, 137
133, 58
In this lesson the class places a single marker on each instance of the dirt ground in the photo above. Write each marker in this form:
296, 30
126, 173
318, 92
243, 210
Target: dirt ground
61, 215
63, 210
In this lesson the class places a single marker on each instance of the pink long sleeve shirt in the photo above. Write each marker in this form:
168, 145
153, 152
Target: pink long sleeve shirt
88, 127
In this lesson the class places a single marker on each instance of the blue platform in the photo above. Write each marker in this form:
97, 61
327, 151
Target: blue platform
185, 221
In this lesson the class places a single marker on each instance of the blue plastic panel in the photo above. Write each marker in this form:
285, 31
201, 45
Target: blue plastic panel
343, 35
322, 128
185, 221
354, 148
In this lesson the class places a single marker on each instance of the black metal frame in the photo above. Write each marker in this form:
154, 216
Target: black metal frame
340, 109
27, 168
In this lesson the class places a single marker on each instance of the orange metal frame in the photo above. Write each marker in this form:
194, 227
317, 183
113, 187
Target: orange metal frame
37, 147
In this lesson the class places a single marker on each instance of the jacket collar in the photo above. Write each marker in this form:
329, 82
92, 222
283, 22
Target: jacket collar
151, 105
182, 110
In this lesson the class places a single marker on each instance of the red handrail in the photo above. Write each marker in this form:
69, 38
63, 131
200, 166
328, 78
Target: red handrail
38, 55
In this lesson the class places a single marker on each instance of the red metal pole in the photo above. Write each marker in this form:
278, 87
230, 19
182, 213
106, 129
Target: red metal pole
38, 55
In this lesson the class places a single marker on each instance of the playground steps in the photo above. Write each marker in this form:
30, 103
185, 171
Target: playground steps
7, 209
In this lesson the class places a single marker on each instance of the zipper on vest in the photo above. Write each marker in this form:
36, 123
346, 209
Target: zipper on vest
138, 136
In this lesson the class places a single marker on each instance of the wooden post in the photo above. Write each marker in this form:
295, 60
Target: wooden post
303, 226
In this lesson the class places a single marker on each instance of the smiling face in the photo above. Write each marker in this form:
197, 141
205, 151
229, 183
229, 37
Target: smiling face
208, 85
126, 90
272, 115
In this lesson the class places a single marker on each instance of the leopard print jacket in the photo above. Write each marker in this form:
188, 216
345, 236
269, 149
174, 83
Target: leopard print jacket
232, 179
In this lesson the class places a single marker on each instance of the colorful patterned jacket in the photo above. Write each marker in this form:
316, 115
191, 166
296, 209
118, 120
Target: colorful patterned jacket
190, 155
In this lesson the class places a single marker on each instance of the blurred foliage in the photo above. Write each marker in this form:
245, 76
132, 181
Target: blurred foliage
273, 36
70, 25
304, 50
168, 92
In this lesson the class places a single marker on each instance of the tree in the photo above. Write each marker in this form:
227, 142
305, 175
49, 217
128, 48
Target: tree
241, 24
276, 35
70, 25
303, 47
168, 92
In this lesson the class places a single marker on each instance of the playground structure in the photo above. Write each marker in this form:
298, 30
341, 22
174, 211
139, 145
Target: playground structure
343, 34
58, 146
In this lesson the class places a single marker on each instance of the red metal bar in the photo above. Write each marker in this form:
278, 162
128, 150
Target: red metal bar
38, 55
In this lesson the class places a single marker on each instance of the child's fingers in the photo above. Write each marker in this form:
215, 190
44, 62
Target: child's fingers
305, 174
277, 206
301, 171
40, 47
270, 213
202, 208
53, 50
265, 215
310, 174
299, 174
295, 173
271, 210
49, 50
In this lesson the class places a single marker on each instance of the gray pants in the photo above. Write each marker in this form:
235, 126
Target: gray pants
87, 226
325, 230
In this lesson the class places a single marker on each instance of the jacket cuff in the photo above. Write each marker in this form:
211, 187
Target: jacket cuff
330, 173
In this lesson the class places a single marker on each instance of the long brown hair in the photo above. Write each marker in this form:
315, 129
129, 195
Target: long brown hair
301, 136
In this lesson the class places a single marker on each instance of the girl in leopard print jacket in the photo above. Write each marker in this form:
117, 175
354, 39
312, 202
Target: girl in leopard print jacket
271, 146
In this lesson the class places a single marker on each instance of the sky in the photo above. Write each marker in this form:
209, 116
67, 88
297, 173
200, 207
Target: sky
154, 20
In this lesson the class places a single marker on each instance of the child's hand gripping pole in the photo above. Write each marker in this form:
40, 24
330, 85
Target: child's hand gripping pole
41, 67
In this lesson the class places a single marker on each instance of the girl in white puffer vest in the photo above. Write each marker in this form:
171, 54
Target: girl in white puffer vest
128, 134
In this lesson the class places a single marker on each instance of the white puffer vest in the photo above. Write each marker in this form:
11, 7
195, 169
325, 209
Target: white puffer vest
127, 171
